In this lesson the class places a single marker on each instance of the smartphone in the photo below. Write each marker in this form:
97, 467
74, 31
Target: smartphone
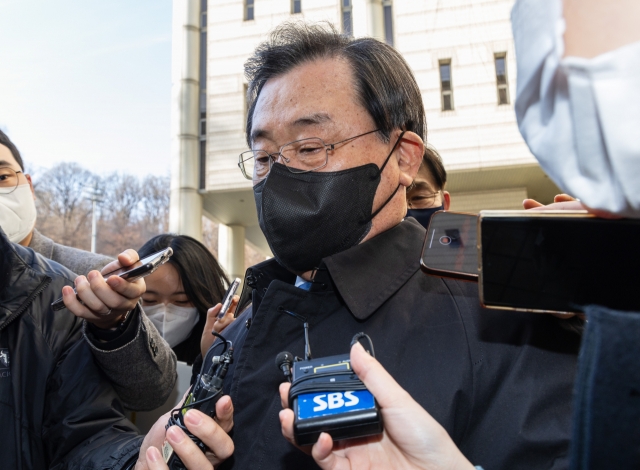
228, 296
141, 269
450, 246
558, 261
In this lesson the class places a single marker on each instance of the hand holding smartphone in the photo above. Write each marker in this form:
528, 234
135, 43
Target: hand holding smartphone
141, 269
542, 262
228, 296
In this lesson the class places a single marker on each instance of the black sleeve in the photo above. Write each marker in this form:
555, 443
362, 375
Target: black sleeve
85, 426
109, 340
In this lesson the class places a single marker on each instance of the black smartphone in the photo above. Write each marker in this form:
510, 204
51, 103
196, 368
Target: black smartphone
228, 296
450, 246
142, 268
558, 261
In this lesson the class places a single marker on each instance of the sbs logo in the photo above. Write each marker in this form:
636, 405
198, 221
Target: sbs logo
335, 400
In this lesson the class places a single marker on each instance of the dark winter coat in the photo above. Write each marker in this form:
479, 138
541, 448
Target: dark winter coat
57, 409
499, 382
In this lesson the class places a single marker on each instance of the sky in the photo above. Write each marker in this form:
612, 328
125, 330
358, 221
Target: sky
87, 81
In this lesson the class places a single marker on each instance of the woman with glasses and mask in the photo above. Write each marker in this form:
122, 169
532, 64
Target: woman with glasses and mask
427, 195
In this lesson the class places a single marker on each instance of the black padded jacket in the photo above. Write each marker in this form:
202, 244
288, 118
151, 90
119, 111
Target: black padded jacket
57, 409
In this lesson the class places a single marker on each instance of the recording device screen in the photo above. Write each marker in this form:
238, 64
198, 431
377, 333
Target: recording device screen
450, 247
559, 263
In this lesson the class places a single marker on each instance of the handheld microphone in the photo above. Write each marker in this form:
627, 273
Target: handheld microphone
284, 362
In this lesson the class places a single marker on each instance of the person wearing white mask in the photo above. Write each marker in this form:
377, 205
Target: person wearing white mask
183, 296
18, 215
578, 99
113, 342
17, 197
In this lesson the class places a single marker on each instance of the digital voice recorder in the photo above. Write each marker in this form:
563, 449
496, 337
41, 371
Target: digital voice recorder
206, 392
327, 396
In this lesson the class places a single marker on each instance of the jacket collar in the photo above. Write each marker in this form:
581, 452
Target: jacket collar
368, 274
365, 275
22, 283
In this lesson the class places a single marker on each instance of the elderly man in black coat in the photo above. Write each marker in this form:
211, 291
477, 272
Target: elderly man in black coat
336, 129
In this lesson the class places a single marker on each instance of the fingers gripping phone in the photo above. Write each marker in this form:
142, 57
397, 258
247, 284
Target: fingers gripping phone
140, 269
228, 297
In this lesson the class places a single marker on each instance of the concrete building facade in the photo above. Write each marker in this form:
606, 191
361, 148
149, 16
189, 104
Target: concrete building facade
463, 57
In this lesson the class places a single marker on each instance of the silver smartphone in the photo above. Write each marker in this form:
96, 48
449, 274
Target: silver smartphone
141, 269
228, 297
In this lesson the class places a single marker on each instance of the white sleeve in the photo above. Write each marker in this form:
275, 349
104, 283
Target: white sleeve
579, 117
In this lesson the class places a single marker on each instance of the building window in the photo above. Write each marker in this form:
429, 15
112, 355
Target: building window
347, 23
501, 78
296, 6
248, 10
446, 90
387, 15
203, 164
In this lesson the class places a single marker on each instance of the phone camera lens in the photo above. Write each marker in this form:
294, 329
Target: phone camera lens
445, 240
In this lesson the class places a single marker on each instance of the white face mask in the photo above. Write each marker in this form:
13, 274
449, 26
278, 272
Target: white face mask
18, 213
173, 322
579, 117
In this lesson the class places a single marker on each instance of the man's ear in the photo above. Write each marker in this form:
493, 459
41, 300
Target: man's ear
409, 154
33, 191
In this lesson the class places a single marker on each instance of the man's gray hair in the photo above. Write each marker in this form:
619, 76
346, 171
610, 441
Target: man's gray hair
385, 85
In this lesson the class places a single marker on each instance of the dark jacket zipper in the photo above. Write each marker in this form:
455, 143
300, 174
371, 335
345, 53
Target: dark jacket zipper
41, 287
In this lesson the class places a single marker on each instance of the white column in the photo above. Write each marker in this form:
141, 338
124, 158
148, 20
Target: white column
185, 214
231, 249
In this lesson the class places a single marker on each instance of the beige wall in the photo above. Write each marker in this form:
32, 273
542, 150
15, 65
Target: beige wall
476, 134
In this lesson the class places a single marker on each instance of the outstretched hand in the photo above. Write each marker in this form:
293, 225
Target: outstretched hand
217, 324
412, 439
105, 302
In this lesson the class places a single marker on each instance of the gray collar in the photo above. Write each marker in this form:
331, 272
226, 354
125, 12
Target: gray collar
41, 244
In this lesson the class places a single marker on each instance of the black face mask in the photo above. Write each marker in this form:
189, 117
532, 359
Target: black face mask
308, 216
424, 215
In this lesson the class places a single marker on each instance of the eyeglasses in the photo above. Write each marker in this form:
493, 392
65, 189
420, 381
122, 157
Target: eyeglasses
300, 156
423, 201
8, 180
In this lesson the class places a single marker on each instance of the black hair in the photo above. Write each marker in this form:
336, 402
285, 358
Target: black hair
432, 161
203, 280
384, 82
6, 141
